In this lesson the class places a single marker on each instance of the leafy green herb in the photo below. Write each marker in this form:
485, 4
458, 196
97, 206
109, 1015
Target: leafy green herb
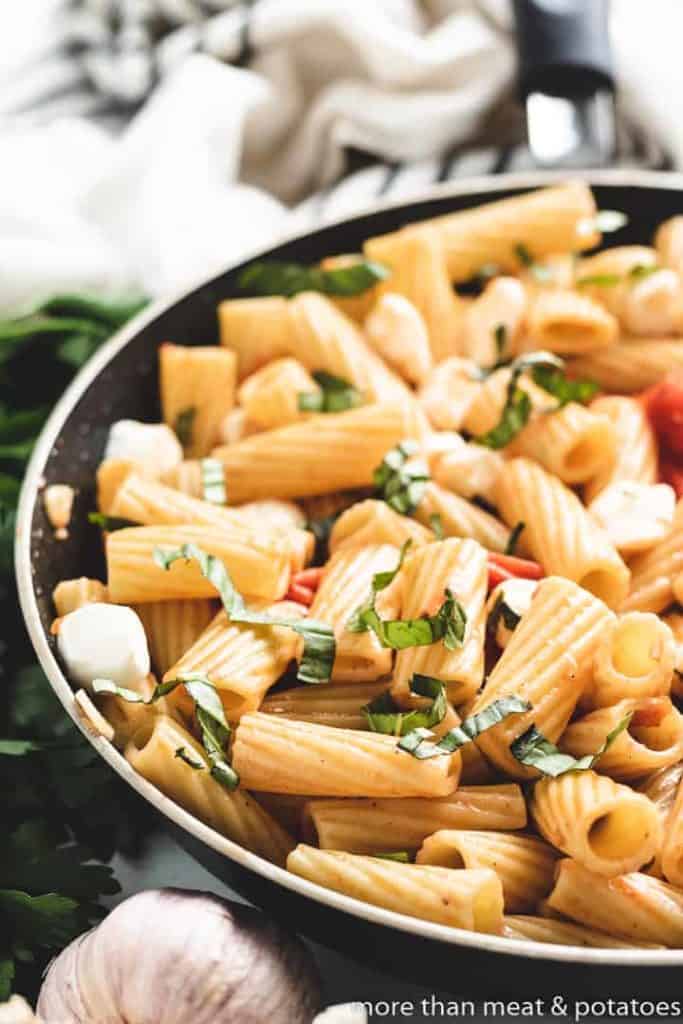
599, 280
17, 748
501, 610
436, 524
109, 523
110, 313
641, 270
277, 278
419, 742
513, 539
539, 270
562, 388
400, 485
183, 755
213, 481
384, 715
319, 643
500, 335
535, 751
184, 425
400, 856
335, 395
604, 221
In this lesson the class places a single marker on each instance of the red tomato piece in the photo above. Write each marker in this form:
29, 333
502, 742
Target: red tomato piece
298, 592
311, 578
497, 575
672, 473
664, 406
524, 568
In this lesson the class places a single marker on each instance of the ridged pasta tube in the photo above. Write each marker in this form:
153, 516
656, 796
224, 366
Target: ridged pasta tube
152, 753
256, 330
661, 789
371, 826
652, 740
674, 620
330, 452
525, 865
375, 522
653, 573
198, 382
568, 323
127, 717
338, 706
72, 594
284, 756
259, 568
559, 532
242, 659
460, 518
634, 456
635, 906
672, 844
573, 442
634, 658
172, 627
461, 899
497, 313
631, 364
547, 665
459, 566
448, 392
565, 933
270, 396
608, 828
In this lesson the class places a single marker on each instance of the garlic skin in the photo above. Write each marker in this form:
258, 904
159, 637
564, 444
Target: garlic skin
167, 956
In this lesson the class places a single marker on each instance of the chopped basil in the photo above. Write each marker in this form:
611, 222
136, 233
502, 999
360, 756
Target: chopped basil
641, 270
436, 523
109, 523
501, 610
539, 270
182, 754
380, 581
604, 221
211, 718
419, 742
513, 539
213, 481
400, 856
273, 277
599, 280
335, 395
401, 486
500, 336
184, 425
564, 390
384, 715
319, 643
535, 751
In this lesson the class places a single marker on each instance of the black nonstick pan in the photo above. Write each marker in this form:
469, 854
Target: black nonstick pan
121, 382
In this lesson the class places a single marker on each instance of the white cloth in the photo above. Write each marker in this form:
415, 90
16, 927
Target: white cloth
219, 158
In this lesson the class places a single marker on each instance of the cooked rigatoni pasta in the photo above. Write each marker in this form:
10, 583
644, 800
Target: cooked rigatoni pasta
258, 568
242, 659
635, 907
606, 827
407, 554
524, 865
458, 566
653, 574
286, 756
635, 657
338, 705
172, 627
197, 390
461, 899
322, 454
634, 456
653, 738
559, 532
152, 752
548, 667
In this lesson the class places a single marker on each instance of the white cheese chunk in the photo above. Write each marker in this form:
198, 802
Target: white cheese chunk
469, 470
634, 516
345, 1013
104, 641
515, 595
153, 446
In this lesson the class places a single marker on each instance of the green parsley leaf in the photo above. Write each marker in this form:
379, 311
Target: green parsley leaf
319, 642
513, 539
535, 751
184, 425
401, 486
418, 743
384, 715
213, 481
273, 277
335, 395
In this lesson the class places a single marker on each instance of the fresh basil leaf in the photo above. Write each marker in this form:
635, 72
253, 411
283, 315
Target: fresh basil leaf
401, 486
380, 581
272, 277
641, 270
400, 856
112, 688
319, 642
109, 523
182, 755
599, 281
335, 395
501, 610
436, 524
184, 425
500, 336
535, 751
213, 481
77, 349
562, 388
419, 742
112, 313
513, 539
517, 409
384, 715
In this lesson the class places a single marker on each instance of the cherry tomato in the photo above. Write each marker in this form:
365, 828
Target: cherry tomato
664, 405
671, 472
524, 568
298, 592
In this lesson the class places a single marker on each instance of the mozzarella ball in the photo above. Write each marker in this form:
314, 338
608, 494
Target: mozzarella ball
152, 446
103, 641
634, 516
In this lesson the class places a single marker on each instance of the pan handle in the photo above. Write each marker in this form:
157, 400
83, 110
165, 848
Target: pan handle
563, 46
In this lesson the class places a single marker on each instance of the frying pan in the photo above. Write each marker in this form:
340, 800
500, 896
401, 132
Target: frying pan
121, 382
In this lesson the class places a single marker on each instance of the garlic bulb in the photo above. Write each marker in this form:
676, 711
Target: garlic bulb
168, 956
